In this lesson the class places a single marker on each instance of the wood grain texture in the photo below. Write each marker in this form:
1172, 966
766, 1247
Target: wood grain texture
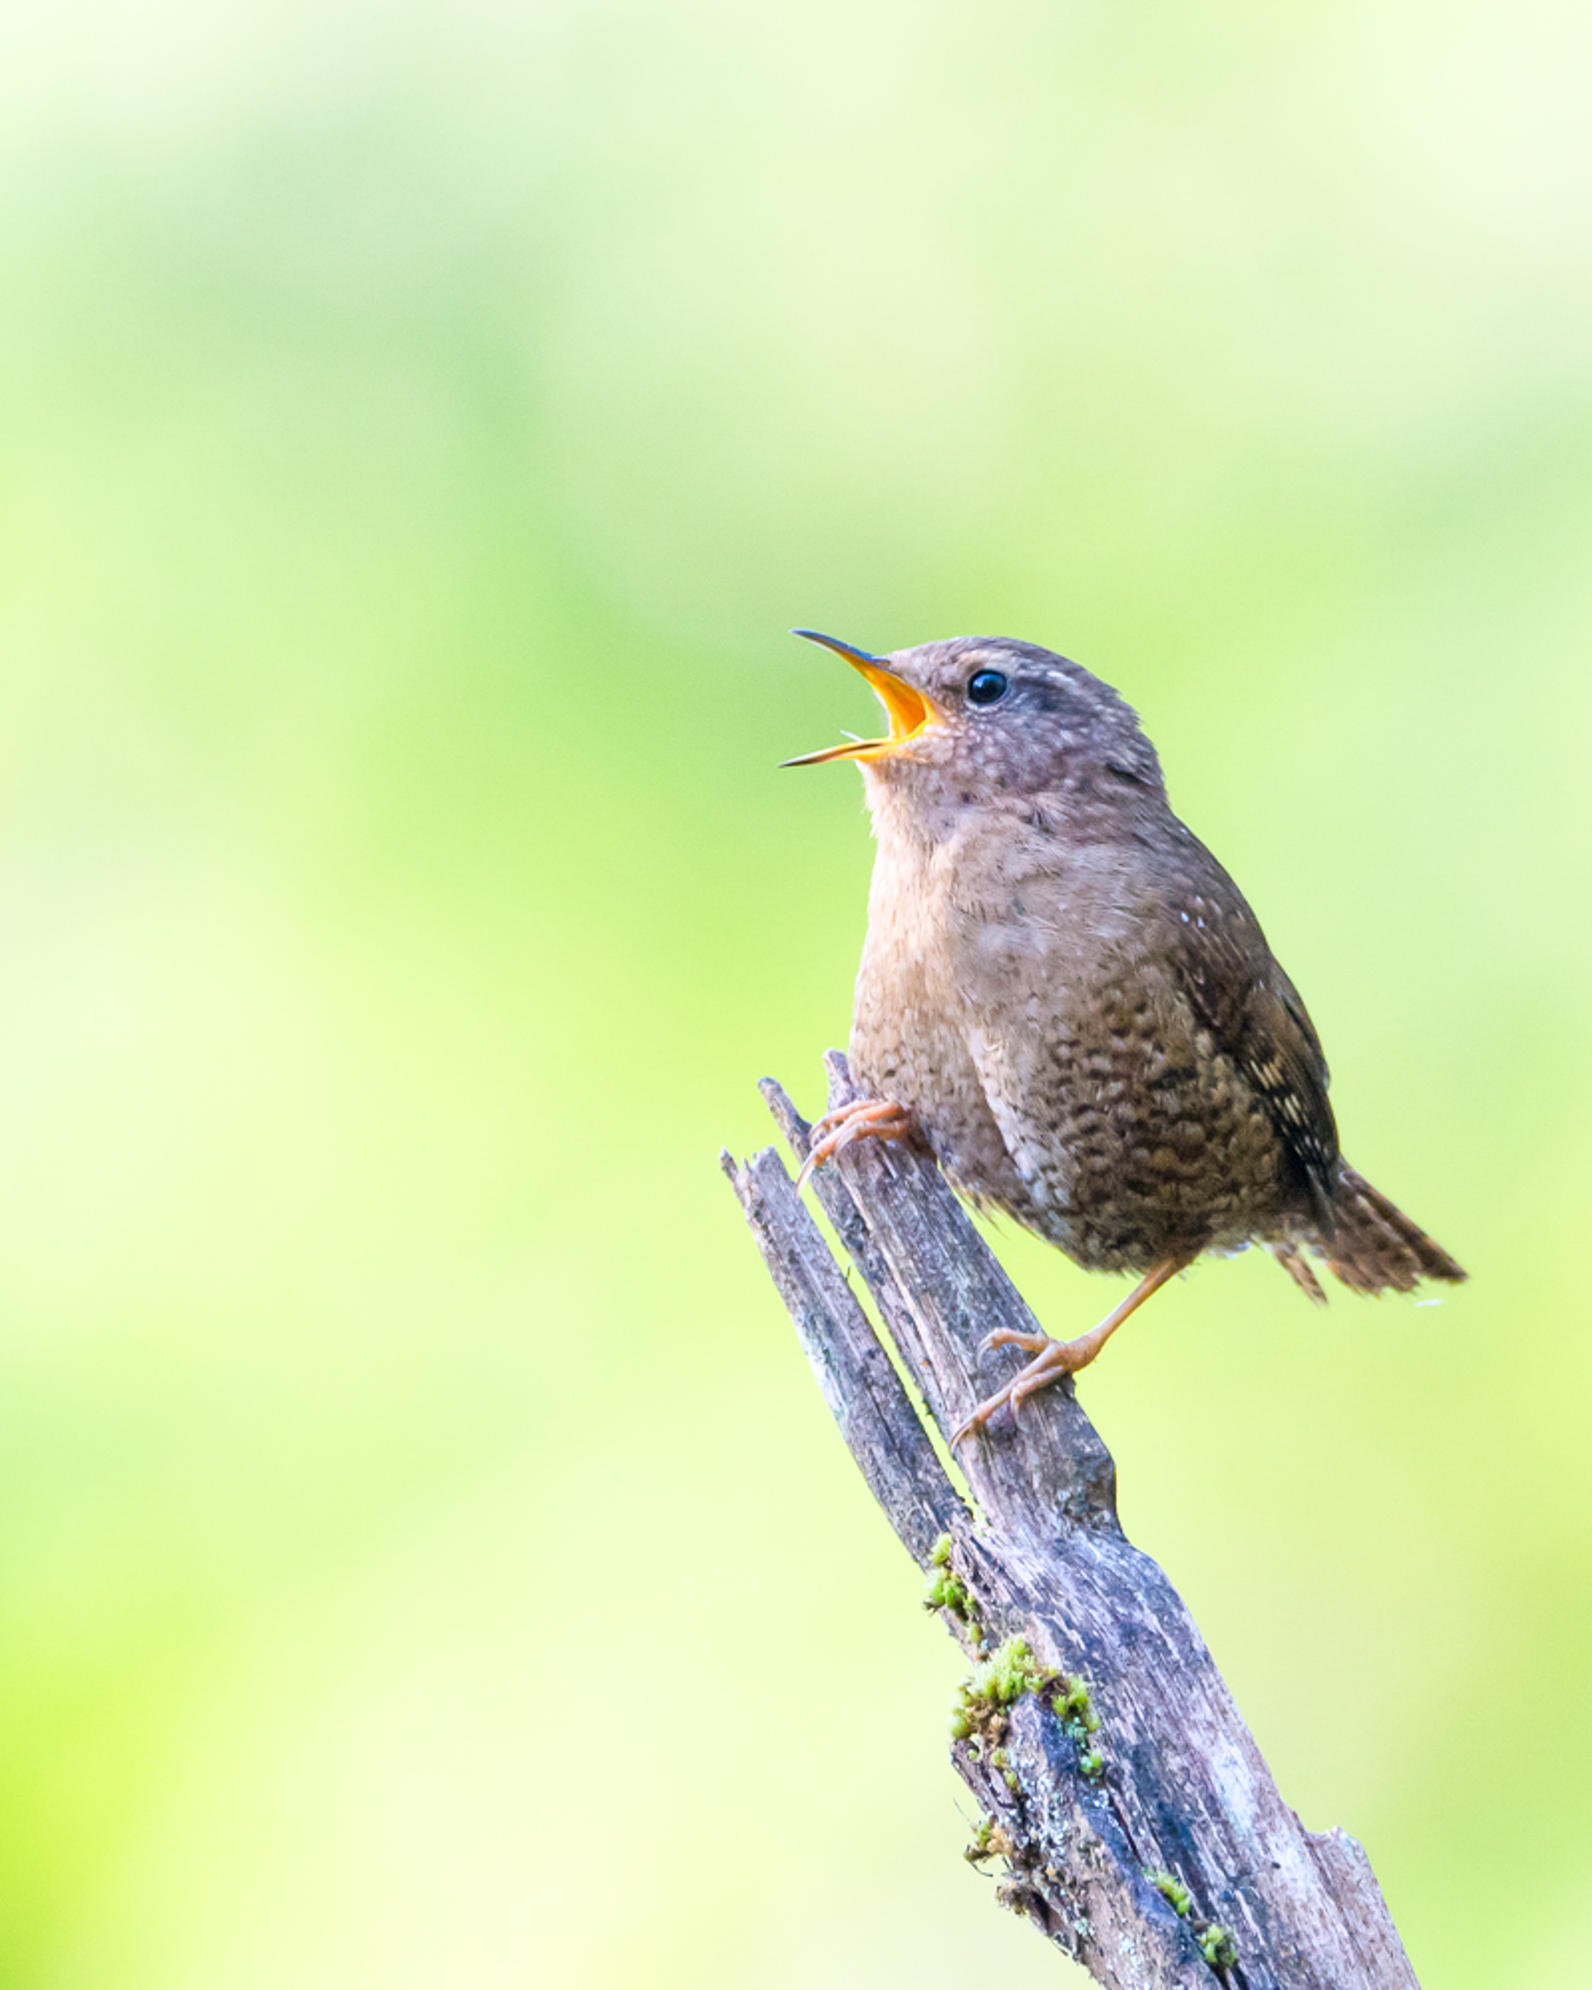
1180, 1788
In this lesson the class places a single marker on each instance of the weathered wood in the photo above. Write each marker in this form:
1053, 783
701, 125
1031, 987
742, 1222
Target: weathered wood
1170, 1784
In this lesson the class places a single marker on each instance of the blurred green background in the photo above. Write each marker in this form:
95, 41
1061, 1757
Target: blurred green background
426, 1558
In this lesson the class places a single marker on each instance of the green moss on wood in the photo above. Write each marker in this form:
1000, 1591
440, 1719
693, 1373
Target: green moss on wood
945, 1589
980, 1713
1071, 1706
981, 1702
990, 1841
1215, 1942
1074, 1709
1172, 1890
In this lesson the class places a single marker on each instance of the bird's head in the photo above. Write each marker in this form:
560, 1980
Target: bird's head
978, 720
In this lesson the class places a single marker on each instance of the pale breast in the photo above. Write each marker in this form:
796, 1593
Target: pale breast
909, 1037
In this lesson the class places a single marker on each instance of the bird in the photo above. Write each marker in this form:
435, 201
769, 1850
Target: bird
1066, 998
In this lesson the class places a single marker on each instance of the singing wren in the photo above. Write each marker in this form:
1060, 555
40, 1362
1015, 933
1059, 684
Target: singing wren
1065, 995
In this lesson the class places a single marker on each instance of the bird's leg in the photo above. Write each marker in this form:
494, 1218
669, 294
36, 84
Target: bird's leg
863, 1119
1055, 1358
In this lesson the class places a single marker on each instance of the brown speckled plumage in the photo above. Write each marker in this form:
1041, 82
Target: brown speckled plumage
1074, 1000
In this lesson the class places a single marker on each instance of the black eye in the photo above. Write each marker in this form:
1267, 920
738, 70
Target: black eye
985, 686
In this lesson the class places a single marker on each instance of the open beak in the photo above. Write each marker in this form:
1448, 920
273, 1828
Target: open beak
908, 710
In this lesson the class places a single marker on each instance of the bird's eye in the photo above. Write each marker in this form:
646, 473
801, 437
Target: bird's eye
984, 687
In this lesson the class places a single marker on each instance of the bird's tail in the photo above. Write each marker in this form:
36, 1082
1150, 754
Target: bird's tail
1374, 1247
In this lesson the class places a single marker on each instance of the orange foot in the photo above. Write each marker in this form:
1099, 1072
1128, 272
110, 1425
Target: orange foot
1055, 1358
863, 1119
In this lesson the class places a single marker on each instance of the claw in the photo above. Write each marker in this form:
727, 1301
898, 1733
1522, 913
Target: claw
1039, 1375
1007, 1395
1055, 1358
976, 1420
1011, 1337
863, 1119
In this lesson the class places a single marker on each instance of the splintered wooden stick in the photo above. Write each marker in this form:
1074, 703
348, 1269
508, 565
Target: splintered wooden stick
1139, 1827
